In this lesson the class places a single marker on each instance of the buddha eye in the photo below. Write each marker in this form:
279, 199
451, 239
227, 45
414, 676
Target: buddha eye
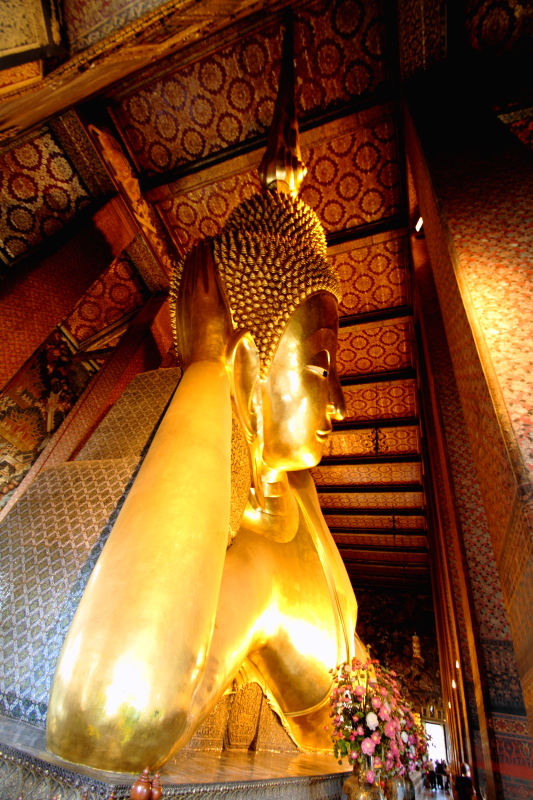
319, 370
319, 363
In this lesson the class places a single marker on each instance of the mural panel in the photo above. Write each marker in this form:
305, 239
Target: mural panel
33, 405
387, 622
88, 23
37, 399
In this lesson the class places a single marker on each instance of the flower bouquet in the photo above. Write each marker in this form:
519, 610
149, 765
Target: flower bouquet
371, 724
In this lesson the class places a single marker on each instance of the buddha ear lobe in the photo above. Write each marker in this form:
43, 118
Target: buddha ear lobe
243, 365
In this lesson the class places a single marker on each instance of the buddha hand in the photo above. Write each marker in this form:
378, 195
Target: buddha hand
203, 318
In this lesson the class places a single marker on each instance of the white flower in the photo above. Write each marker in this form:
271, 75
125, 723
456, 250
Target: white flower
372, 721
404, 736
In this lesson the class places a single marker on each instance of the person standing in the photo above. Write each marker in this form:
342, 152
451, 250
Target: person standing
440, 772
464, 789
431, 775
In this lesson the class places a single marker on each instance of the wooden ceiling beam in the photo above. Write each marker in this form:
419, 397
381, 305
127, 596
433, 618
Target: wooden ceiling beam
380, 531
392, 223
337, 461
405, 551
391, 422
379, 377
420, 584
256, 144
375, 512
371, 488
381, 315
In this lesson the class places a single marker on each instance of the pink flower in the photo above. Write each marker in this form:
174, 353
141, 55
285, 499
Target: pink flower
389, 764
394, 750
359, 690
352, 737
326, 727
384, 712
376, 737
376, 702
370, 776
383, 692
377, 762
360, 731
368, 746
390, 729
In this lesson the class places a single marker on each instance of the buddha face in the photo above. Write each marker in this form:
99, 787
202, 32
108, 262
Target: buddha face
302, 392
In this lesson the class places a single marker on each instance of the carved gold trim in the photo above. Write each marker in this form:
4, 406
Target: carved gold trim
114, 48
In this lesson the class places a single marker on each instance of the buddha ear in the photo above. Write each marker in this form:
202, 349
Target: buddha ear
243, 364
242, 359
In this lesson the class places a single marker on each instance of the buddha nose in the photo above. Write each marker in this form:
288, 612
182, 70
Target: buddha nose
337, 403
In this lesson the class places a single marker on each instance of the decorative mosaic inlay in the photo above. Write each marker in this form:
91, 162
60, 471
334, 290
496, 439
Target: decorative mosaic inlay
116, 293
49, 544
353, 474
379, 557
125, 430
228, 96
371, 500
40, 191
351, 180
372, 277
391, 441
380, 540
385, 400
374, 522
366, 350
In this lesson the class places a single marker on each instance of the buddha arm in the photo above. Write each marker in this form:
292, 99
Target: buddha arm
137, 645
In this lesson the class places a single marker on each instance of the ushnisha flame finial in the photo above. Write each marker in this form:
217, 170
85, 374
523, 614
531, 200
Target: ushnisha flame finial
281, 168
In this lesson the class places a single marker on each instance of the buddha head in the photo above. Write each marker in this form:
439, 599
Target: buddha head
271, 255
282, 295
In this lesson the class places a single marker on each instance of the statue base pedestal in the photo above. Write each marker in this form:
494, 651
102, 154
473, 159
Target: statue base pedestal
28, 771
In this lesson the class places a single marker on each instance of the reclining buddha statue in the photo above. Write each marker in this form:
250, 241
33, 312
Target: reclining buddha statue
220, 562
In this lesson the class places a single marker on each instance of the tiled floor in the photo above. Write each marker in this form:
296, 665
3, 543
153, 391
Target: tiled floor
438, 794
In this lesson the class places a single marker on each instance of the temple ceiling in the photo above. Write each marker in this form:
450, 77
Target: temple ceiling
189, 129
90, 227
